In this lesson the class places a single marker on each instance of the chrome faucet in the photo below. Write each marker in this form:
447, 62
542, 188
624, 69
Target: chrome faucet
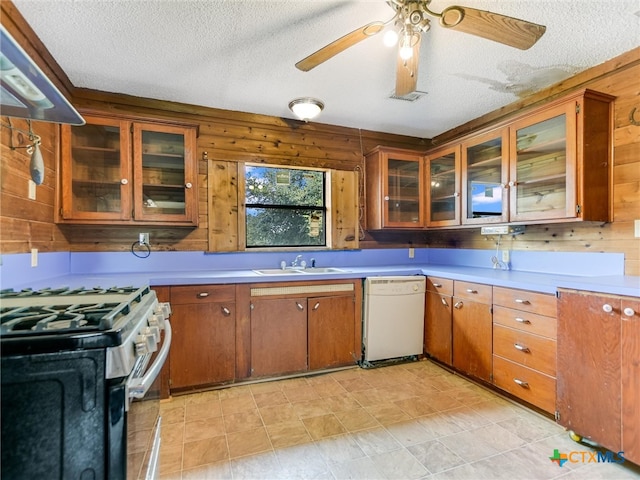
295, 262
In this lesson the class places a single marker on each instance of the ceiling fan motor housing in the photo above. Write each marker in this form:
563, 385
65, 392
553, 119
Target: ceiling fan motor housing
414, 14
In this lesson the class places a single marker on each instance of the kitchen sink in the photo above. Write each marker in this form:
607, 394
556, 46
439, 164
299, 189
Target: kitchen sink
278, 271
297, 271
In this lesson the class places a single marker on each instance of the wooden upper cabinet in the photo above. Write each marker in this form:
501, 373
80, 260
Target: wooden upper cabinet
484, 178
442, 169
395, 189
121, 171
560, 161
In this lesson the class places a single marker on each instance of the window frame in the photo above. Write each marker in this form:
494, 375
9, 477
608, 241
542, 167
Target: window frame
327, 207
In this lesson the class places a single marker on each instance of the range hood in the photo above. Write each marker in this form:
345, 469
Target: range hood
26, 92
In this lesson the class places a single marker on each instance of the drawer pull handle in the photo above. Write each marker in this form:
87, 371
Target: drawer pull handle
523, 302
444, 302
471, 290
522, 348
522, 383
226, 311
629, 312
437, 285
458, 305
203, 294
522, 320
299, 305
316, 306
607, 308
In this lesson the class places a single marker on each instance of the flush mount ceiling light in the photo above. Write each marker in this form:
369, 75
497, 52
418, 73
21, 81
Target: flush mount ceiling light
306, 108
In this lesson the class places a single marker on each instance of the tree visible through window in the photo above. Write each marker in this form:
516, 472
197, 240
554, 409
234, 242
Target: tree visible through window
285, 207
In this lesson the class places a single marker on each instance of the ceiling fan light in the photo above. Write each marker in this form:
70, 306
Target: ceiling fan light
390, 38
306, 108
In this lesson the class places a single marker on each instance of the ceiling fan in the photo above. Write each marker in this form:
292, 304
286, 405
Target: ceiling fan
412, 19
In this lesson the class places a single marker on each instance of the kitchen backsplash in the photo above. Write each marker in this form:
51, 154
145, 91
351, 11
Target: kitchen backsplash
16, 269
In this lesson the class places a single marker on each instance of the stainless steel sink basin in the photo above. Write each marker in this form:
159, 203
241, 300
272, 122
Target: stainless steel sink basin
298, 271
278, 271
323, 270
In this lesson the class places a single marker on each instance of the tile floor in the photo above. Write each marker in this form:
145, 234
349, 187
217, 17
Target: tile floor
408, 421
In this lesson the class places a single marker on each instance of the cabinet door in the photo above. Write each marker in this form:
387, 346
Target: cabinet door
278, 336
588, 367
443, 187
472, 338
203, 345
631, 379
331, 324
437, 327
96, 170
484, 178
543, 165
165, 173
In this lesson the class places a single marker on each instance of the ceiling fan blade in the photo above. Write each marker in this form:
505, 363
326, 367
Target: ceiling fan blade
339, 45
492, 26
407, 71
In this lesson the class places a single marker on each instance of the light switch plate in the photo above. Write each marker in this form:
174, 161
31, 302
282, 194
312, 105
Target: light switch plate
412, 252
506, 256
32, 190
636, 228
34, 257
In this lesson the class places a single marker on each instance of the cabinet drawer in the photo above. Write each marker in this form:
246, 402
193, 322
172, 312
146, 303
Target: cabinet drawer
526, 322
540, 303
529, 350
440, 285
203, 293
472, 291
531, 386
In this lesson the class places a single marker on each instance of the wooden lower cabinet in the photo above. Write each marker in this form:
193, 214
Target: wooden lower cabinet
331, 331
278, 336
472, 329
599, 369
438, 319
203, 321
524, 345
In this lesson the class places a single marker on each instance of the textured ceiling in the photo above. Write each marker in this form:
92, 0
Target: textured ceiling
240, 55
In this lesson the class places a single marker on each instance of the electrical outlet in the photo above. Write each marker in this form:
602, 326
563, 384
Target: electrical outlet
636, 228
143, 238
32, 190
34, 257
412, 252
506, 256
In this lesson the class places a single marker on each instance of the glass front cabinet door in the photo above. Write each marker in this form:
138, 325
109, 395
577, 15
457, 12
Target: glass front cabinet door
443, 187
394, 189
484, 178
543, 162
121, 171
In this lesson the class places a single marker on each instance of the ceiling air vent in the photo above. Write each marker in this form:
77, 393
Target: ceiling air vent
409, 97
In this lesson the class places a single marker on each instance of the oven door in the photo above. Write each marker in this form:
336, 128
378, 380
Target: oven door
143, 416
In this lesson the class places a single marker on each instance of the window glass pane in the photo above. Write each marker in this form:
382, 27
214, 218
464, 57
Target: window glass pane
284, 207
275, 227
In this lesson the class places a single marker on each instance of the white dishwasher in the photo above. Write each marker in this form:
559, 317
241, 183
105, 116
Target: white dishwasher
393, 323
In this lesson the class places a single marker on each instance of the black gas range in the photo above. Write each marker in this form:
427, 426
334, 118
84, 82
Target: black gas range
77, 364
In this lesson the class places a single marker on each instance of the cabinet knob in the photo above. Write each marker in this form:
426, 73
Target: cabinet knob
299, 305
226, 311
458, 305
607, 308
522, 320
124, 181
188, 185
522, 383
203, 294
522, 301
522, 348
512, 183
444, 302
316, 306
386, 198
456, 194
437, 285
629, 312
471, 290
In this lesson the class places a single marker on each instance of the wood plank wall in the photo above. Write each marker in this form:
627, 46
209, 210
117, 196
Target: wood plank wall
235, 136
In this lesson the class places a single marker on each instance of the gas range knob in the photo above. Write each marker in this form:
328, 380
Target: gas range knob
163, 308
154, 331
156, 320
145, 344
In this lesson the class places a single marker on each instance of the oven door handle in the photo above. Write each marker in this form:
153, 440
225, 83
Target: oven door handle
140, 386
